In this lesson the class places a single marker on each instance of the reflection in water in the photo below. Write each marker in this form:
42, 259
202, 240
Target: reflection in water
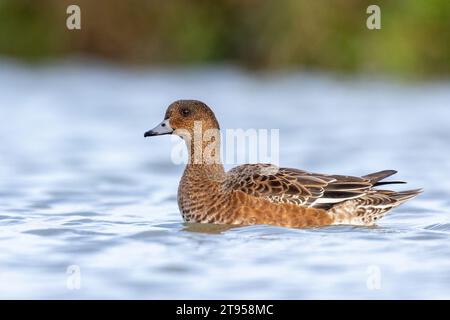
208, 228
85, 189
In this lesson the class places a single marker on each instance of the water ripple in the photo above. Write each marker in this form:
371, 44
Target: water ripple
88, 193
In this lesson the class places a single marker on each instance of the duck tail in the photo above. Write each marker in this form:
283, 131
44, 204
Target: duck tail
403, 196
380, 175
375, 178
368, 209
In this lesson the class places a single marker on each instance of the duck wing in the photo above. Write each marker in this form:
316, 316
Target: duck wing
298, 187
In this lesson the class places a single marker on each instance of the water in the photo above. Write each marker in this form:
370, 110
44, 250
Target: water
82, 190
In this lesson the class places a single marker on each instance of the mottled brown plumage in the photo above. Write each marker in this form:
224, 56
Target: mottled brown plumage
264, 194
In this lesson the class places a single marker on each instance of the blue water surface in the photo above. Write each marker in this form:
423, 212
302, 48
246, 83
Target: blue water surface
88, 206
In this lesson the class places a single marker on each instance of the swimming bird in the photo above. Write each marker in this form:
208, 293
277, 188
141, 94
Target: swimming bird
262, 193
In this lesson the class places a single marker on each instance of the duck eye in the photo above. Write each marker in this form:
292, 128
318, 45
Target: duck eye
185, 112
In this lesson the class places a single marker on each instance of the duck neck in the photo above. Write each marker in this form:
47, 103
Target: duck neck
204, 157
205, 172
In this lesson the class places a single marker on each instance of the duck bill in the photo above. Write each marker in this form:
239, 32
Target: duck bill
161, 129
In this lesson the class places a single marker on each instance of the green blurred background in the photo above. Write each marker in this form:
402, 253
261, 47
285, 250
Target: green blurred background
291, 34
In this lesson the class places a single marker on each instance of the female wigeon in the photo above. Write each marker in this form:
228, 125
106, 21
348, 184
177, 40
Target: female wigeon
258, 194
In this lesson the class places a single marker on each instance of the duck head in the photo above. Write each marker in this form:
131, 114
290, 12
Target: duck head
183, 117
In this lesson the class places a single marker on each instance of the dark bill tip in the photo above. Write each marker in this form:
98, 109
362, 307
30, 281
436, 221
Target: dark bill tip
149, 134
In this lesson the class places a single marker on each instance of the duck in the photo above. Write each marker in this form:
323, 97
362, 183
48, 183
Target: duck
264, 194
